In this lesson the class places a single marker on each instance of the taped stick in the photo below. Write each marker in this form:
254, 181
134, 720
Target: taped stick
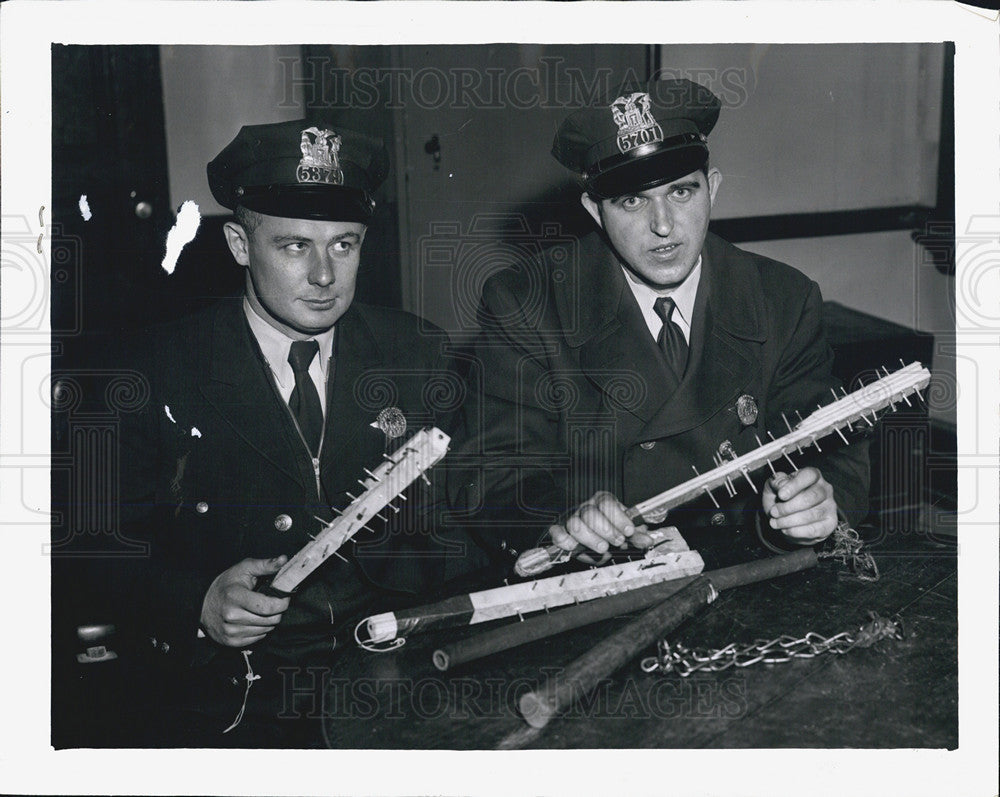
546, 625
561, 691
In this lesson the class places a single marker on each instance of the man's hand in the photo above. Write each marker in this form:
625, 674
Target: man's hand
598, 523
801, 506
232, 613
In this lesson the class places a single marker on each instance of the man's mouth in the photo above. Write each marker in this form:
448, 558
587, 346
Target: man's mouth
665, 249
321, 304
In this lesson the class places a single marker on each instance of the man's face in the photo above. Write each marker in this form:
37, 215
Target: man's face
659, 233
300, 273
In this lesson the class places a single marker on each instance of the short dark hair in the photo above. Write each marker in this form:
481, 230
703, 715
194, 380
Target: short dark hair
248, 219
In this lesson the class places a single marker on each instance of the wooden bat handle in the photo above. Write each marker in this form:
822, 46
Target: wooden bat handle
579, 678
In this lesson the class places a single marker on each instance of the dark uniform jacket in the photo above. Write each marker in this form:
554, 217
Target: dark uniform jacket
214, 471
575, 395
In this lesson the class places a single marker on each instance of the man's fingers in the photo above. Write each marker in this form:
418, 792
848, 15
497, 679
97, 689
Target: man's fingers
234, 630
810, 533
614, 511
601, 525
233, 615
597, 524
814, 514
801, 506
257, 603
584, 535
261, 567
561, 539
812, 497
641, 539
796, 483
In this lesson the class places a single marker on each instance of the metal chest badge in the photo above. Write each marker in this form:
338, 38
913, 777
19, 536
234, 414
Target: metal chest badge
746, 409
392, 422
319, 162
636, 125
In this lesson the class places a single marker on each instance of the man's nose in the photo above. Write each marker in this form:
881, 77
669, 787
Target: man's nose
321, 271
661, 220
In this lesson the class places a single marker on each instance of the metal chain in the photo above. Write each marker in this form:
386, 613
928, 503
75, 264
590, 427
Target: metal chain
847, 550
684, 661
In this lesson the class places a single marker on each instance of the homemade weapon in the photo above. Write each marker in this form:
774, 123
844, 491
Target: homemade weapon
400, 469
528, 596
851, 408
548, 593
546, 625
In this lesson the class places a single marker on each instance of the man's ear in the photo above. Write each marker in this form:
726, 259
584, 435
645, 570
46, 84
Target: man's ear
714, 181
238, 241
592, 207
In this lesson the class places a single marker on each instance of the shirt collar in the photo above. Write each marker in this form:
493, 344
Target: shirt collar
275, 345
683, 295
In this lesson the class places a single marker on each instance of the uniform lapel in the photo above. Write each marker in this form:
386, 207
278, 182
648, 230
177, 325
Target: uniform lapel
239, 389
725, 346
347, 419
616, 351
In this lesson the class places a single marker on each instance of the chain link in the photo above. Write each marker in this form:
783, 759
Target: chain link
684, 661
847, 550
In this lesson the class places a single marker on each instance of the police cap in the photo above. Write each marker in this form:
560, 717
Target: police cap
645, 136
300, 170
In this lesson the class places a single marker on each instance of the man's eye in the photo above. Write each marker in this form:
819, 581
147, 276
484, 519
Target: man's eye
631, 202
342, 246
296, 246
682, 193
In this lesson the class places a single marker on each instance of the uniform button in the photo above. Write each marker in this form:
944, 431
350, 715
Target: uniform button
718, 519
165, 647
648, 445
201, 507
282, 522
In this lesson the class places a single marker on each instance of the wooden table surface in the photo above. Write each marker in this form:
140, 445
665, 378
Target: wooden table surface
898, 693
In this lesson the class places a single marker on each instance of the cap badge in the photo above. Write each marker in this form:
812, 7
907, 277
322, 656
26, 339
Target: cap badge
319, 162
746, 409
636, 125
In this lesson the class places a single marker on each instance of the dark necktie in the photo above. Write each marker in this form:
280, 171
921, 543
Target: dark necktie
304, 401
671, 338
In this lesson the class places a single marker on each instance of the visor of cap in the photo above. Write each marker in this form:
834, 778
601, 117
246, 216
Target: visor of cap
317, 202
641, 174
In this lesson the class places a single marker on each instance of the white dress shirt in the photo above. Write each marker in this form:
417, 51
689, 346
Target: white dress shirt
683, 296
275, 346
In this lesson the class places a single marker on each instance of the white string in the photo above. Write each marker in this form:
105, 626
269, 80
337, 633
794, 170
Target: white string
368, 645
250, 676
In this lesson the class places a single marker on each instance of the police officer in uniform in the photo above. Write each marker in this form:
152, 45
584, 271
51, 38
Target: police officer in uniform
264, 411
658, 348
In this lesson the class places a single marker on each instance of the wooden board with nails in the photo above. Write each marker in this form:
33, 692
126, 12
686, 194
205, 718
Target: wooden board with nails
387, 481
842, 412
